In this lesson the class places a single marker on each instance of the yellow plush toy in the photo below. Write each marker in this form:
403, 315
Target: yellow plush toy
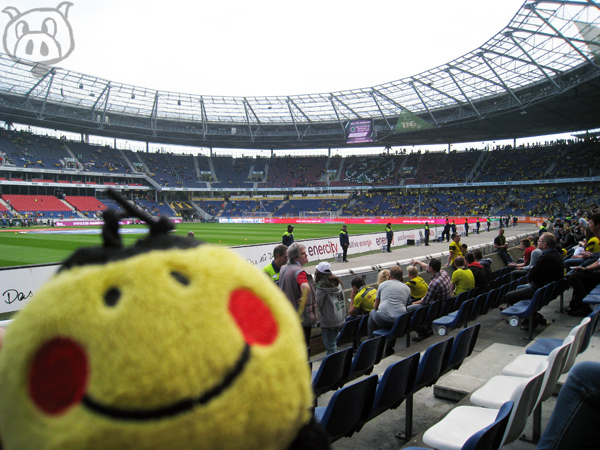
166, 344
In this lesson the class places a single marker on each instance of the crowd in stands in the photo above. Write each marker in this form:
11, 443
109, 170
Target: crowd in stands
549, 160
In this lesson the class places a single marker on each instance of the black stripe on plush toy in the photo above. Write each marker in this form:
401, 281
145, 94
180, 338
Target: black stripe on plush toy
112, 248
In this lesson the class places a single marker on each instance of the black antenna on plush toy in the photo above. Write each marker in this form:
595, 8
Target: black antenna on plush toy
111, 229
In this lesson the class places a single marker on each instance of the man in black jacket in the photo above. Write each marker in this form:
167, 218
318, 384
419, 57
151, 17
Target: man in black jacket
549, 267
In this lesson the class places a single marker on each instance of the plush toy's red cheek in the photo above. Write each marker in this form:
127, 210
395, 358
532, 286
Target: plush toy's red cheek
253, 317
58, 375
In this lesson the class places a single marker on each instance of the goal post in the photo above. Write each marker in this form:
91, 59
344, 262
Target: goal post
316, 214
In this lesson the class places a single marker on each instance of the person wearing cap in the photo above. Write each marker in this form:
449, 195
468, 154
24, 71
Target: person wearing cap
299, 288
279, 260
344, 243
390, 303
288, 237
331, 303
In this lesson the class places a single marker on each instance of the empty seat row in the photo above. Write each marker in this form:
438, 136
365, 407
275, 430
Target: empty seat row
352, 406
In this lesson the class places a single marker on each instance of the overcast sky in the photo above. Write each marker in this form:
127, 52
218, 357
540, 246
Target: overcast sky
270, 47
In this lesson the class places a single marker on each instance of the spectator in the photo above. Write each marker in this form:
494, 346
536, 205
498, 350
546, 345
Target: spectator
416, 284
481, 280
288, 237
440, 289
573, 423
455, 249
331, 303
279, 260
486, 263
521, 269
585, 278
585, 250
549, 267
299, 288
390, 303
344, 243
567, 238
463, 279
362, 297
502, 247
382, 276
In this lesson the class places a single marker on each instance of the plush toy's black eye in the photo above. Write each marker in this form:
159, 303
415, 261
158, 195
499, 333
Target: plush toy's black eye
112, 296
180, 278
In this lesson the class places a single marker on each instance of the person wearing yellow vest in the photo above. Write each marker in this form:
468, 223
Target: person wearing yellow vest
288, 237
344, 243
279, 260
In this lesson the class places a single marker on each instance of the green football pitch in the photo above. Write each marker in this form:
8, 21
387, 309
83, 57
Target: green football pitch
20, 247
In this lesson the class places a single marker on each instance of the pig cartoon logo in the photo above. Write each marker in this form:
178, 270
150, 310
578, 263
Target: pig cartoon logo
43, 35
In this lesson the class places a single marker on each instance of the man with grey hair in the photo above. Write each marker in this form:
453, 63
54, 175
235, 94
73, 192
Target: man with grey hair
299, 287
390, 302
549, 267
279, 260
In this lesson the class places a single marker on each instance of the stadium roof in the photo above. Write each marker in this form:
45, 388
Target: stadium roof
539, 75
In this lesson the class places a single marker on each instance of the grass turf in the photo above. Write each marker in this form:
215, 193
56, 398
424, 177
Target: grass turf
20, 247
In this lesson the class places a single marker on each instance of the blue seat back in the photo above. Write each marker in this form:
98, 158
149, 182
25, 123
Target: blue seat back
401, 326
433, 312
418, 318
347, 407
461, 347
490, 437
394, 384
349, 331
331, 371
365, 358
433, 361
478, 305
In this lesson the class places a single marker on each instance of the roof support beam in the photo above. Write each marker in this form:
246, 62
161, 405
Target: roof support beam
474, 75
154, 115
435, 89
30, 91
562, 36
514, 58
449, 72
289, 104
41, 115
381, 111
345, 106
248, 109
204, 118
412, 84
533, 61
337, 115
290, 101
509, 90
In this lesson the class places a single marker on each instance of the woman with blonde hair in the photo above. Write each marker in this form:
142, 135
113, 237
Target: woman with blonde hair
382, 276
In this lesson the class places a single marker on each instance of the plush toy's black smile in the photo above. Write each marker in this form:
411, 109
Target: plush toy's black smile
179, 407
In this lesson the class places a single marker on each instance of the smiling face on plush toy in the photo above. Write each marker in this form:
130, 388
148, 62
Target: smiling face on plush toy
171, 348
